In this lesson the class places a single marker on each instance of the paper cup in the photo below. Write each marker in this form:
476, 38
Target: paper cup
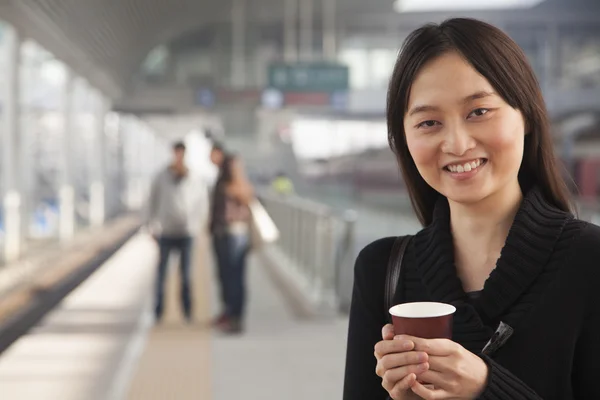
425, 320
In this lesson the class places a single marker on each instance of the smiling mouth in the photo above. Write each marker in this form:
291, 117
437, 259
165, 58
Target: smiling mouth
465, 167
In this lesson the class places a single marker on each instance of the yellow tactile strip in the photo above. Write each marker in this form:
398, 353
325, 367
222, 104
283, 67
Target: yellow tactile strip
175, 364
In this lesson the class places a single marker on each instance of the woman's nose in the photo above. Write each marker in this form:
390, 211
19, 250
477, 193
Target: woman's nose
457, 141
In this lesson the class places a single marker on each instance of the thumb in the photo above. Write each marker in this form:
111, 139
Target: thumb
387, 333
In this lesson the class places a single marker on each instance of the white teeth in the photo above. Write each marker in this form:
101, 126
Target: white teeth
467, 167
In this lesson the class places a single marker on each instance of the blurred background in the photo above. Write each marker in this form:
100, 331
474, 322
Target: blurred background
94, 93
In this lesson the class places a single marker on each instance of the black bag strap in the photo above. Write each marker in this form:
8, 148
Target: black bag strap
393, 271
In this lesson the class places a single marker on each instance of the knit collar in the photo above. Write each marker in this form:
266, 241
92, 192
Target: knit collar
528, 248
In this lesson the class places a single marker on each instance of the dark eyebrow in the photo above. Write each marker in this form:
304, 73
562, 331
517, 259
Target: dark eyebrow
477, 96
421, 109
425, 108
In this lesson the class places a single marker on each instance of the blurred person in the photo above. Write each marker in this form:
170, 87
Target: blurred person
177, 204
282, 185
230, 230
469, 127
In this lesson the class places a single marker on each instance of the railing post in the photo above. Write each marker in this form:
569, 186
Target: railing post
328, 295
346, 251
317, 244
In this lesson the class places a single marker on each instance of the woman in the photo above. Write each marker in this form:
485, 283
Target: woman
469, 126
230, 226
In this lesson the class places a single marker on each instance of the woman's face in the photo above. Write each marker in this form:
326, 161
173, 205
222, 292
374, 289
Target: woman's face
465, 140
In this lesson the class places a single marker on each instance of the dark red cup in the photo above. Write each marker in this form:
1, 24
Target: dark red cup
427, 320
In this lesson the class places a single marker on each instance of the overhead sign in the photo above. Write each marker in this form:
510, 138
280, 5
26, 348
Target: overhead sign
309, 77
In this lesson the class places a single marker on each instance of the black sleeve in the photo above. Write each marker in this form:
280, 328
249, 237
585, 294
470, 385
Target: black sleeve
503, 385
367, 318
585, 371
586, 368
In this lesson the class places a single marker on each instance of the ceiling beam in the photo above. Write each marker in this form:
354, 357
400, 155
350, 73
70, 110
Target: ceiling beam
171, 20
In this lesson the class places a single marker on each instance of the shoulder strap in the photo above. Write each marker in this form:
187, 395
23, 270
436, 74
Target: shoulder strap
393, 271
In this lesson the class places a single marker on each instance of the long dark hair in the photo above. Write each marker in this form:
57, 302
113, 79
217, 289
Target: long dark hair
500, 60
226, 175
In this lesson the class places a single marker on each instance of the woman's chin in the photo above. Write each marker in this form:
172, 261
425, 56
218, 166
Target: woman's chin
467, 197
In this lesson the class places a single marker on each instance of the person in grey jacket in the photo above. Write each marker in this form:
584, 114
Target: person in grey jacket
178, 203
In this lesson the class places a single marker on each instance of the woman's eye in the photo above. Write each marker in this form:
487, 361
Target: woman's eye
479, 112
427, 124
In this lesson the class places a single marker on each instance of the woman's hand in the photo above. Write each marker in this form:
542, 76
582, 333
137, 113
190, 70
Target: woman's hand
454, 372
398, 364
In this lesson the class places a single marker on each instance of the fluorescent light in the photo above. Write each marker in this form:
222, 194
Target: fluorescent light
446, 5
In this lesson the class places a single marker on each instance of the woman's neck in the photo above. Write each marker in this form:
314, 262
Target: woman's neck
479, 232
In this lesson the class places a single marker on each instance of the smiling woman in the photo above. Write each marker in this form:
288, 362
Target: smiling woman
468, 124
458, 130
482, 87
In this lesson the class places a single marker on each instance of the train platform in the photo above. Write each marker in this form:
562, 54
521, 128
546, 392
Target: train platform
101, 342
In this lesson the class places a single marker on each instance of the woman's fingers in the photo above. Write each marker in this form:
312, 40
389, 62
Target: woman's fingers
442, 364
434, 347
393, 376
434, 378
428, 393
393, 346
401, 390
387, 333
398, 360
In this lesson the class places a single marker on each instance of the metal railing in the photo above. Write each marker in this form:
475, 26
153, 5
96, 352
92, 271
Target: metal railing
317, 241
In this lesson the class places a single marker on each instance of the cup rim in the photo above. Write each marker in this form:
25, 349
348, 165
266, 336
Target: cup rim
423, 309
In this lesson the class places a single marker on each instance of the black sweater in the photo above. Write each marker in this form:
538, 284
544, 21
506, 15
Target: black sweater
546, 285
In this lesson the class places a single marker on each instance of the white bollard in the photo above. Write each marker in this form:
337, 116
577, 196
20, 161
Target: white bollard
12, 224
66, 229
